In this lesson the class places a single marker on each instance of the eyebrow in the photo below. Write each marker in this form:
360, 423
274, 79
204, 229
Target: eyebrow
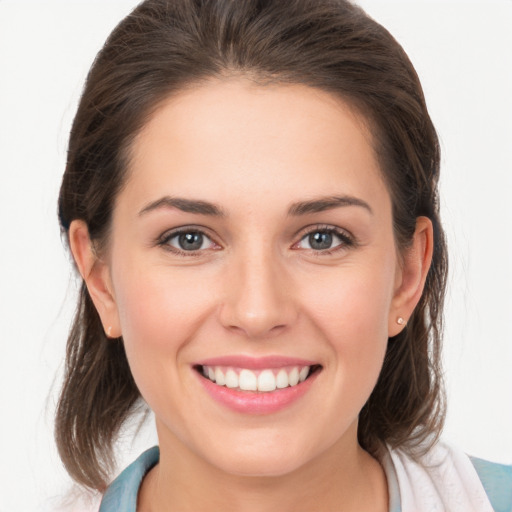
296, 209
185, 205
326, 203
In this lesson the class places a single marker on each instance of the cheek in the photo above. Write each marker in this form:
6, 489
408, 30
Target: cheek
352, 301
156, 304
352, 315
159, 312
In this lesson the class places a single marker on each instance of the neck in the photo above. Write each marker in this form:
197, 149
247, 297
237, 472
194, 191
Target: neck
344, 478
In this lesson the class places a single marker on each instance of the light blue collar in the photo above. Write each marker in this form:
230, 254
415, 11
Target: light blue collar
121, 496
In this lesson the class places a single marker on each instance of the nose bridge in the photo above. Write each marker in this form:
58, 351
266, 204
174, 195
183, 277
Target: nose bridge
257, 300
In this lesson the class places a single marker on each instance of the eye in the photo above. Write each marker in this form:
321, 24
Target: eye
189, 240
325, 239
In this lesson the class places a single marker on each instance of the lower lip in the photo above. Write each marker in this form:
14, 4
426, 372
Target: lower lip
251, 402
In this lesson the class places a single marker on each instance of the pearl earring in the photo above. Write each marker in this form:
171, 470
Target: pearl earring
401, 321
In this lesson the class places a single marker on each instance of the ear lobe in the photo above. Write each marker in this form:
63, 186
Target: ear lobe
96, 276
412, 275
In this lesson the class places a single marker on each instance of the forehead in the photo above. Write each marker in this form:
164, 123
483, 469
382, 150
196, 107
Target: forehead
234, 136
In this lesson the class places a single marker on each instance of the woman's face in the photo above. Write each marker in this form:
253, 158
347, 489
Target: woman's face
253, 243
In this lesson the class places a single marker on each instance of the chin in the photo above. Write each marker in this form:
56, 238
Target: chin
253, 459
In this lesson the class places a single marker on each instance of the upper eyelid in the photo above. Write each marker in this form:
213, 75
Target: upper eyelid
169, 233
206, 231
323, 227
165, 238
347, 239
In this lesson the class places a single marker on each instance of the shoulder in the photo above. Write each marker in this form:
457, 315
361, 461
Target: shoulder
121, 495
445, 478
497, 482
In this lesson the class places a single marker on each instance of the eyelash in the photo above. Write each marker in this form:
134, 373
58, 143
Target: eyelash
164, 240
347, 240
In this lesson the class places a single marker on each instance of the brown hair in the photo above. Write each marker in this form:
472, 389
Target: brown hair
166, 45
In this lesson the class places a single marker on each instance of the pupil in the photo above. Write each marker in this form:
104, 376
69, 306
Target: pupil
320, 240
191, 241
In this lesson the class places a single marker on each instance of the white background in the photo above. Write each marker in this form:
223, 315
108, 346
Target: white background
463, 54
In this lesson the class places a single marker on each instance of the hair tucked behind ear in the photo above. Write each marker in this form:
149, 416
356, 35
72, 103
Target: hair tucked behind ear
166, 45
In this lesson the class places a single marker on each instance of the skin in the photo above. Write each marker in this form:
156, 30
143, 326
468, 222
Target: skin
257, 287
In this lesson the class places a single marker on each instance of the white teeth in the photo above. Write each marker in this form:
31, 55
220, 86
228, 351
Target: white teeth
231, 379
260, 380
248, 381
282, 379
266, 381
219, 377
293, 377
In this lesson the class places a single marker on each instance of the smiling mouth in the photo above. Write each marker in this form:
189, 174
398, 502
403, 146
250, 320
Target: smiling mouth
263, 380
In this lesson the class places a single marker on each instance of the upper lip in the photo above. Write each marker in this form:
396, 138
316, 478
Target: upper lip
255, 363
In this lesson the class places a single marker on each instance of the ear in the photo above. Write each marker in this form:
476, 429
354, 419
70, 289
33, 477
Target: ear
411, 275
96, 275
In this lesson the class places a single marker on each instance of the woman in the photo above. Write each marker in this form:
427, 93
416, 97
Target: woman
251, 201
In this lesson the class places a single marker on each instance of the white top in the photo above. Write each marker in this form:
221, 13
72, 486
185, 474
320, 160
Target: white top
443, 480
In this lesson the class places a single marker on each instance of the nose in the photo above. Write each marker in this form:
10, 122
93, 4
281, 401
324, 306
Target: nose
258, 297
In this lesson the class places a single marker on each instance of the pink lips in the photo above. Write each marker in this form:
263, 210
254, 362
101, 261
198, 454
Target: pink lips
255, 363
255, 402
